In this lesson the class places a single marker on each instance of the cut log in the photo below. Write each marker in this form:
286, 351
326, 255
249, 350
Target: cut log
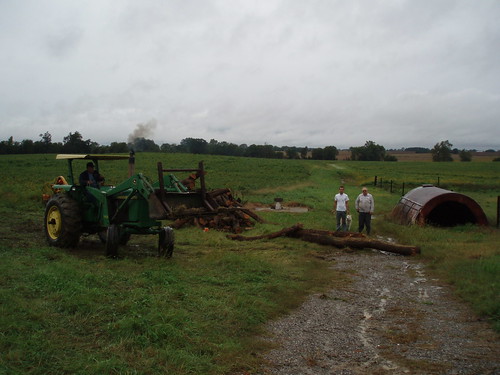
281, 233
357, 243
337, 239
225, 213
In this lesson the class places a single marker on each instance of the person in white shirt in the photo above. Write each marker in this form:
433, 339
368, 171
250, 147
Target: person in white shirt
365, 206
341, 208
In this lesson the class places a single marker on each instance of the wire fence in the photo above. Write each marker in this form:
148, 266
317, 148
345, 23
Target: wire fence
397, 186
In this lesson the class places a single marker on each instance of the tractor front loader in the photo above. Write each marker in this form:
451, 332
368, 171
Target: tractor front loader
112, 212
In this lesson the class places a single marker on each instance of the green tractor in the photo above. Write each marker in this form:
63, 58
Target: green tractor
135, 206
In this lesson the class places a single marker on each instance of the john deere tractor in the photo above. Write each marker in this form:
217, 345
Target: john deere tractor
135, 206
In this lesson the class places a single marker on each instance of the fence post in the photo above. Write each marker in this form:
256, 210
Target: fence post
438, 181
498, 212
375, 181
403, 192
391, 187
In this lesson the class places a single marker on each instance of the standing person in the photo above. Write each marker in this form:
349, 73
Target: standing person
365, 205
341, 208
90, 177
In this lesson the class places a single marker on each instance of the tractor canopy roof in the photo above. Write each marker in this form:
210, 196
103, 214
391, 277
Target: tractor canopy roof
91, 156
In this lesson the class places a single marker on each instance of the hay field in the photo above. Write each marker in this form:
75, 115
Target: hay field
413, 156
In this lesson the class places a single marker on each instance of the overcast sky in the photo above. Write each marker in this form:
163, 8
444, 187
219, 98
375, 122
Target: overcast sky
292, 72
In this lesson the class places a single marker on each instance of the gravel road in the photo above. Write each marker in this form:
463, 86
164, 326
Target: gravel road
392, 319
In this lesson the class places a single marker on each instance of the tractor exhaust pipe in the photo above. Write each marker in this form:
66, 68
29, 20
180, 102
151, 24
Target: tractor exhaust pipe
131, 163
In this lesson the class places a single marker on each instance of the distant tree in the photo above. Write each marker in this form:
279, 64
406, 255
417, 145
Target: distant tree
56, 147
142, 144
262, 151
27, 146
489, 150
9, 146
442, 151
369, 152
465, 155
118, 147
330, 153
44, 145
223, 148
291, 152
169, 148
418, 150
195, 145
303, 152
317, 153
74, 143
390, 158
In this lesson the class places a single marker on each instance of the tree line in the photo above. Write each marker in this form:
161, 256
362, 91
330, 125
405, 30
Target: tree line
74, 143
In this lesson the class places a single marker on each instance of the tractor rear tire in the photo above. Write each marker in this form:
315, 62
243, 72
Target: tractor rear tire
166, 242
112, 241
63, 222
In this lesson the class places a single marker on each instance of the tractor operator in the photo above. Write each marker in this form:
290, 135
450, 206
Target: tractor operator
90, 177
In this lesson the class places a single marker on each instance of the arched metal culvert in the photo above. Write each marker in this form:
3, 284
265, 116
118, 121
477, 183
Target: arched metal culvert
432, 205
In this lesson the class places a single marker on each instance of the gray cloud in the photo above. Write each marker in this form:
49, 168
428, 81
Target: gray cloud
62, 43
289, 72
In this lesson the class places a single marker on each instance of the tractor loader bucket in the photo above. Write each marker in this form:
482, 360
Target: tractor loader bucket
157, 210
172, 198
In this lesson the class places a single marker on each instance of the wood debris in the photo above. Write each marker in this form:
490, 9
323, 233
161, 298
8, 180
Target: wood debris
229, 214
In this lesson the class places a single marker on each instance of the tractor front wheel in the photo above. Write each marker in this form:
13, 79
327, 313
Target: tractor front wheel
103, 234
166, 242
62, 221
112, 240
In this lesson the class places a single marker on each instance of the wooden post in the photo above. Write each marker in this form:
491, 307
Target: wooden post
391, 187
498, 212
375, 181
403, 191
131, 163
438, 181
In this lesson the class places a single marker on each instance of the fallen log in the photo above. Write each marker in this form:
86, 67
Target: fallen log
337, 239
281, 233
357, 243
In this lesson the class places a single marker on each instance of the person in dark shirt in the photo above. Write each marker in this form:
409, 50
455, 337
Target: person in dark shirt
90, 177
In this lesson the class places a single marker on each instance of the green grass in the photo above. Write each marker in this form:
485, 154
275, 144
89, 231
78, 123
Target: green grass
78, 312
75, 311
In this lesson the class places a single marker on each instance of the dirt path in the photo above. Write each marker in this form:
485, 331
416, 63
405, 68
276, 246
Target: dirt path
392, 319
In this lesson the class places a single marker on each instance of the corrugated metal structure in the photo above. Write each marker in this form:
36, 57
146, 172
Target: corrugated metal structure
432, 205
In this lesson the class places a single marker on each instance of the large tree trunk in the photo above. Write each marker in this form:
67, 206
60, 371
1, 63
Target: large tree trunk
337, 239
281, 233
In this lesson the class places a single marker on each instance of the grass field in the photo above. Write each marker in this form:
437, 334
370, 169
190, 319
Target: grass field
77, 312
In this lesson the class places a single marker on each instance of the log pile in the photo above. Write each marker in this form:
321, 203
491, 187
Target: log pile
228, 215
337, 239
